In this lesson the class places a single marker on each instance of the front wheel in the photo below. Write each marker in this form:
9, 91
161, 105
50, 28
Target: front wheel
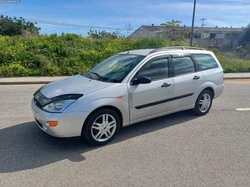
101, 127
203, 103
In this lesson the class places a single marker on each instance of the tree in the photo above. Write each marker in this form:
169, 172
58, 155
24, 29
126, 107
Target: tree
172, 24
17, 26
243, 50
245, 40
173, 32
128, 28
104, 34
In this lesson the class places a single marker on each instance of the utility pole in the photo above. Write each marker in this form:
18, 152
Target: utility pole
192, 31
203, 22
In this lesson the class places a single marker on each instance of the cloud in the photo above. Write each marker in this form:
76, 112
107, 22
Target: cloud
221, 13
224, 14
237, 1
179, 8
216, 22
116, 14
184, 8
137, 13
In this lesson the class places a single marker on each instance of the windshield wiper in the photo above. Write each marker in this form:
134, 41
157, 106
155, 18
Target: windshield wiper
99, 76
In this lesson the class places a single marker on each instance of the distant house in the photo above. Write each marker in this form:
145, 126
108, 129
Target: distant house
148, 32
227, 38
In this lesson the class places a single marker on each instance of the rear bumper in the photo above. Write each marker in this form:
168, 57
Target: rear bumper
69, 124
218, 90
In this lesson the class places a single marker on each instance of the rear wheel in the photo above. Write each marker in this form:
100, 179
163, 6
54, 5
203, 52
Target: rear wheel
101, 127
203, 103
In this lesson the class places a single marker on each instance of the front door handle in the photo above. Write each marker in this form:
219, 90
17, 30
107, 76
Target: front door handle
164, 85
196, 77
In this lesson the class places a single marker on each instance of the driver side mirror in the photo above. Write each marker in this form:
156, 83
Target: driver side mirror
141, 80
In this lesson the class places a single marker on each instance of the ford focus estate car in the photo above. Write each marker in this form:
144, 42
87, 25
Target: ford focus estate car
127, 88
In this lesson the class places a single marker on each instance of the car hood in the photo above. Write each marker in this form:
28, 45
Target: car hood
73, 85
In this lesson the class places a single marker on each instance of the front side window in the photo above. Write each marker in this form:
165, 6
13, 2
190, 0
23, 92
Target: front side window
115, 68
183, 65
156, 69
205, 61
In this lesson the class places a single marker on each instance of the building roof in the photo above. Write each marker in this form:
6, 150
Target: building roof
153, 28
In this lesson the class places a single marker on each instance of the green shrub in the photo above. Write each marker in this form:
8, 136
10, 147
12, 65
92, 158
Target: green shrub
69, 54
14, 70
233, 65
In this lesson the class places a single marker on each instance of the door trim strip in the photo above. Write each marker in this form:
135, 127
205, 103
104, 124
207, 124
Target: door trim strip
163, 101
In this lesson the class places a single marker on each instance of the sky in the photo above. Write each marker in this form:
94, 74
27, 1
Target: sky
79, 16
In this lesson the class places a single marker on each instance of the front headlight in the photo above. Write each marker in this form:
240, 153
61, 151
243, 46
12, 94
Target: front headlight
58, 106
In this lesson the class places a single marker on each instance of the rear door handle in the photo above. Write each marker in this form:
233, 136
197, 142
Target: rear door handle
196, 77
164, 85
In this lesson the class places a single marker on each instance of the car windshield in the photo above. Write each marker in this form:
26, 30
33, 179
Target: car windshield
114, 68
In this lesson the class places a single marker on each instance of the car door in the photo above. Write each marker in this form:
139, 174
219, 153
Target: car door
187, 80
147, 100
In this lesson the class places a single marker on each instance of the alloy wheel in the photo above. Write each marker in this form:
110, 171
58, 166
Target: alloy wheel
103, 127
204, 103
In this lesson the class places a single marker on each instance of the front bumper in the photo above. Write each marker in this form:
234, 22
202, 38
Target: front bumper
69, 124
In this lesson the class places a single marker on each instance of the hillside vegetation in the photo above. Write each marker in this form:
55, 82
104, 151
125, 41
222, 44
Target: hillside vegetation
69, 54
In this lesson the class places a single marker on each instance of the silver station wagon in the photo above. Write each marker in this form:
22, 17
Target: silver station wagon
127, 88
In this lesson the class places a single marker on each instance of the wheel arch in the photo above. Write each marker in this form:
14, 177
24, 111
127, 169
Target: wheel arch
115, 109
209, 89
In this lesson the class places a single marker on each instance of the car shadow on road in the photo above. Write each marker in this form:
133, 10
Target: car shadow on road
24, 146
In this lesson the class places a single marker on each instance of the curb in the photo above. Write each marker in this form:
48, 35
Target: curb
235, 78
29, 80
228, 78
25, 82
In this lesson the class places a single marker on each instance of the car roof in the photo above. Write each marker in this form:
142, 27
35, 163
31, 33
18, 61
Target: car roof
175, 49
143, 52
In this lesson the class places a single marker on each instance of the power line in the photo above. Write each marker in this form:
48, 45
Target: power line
72, 24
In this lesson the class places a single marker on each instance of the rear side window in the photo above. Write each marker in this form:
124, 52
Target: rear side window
183, 65
205, 61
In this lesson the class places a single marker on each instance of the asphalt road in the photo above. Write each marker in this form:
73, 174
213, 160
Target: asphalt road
175, 150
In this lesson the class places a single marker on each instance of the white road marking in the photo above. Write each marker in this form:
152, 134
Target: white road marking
242, 109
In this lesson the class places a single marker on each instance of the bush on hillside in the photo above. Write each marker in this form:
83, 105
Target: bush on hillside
69, 54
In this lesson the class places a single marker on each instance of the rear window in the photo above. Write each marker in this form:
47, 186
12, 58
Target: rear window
205, 61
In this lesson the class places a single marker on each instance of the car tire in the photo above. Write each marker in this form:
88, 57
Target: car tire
101, 127
203, 103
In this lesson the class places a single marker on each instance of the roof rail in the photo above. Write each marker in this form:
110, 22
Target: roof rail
175, 47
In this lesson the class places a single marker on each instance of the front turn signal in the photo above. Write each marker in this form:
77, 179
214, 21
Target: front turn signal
53, 123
